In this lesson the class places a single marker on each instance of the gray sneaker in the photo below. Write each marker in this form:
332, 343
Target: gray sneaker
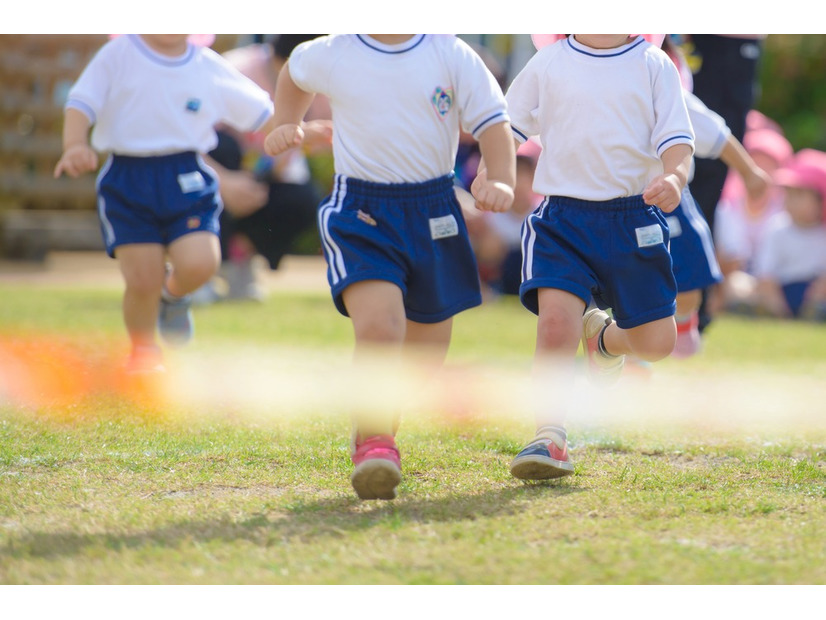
602, 369
175, 322
241, 281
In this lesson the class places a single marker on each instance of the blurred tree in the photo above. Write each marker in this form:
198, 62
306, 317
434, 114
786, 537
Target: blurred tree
793, 89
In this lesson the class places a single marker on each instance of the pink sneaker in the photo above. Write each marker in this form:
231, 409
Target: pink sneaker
145, 361
688, 338
603, 370
378, 467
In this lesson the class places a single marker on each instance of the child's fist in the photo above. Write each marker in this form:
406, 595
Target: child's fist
283, 138
76, 160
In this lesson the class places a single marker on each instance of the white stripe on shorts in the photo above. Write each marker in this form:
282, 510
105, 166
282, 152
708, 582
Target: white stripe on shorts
335, 258
528, 241
108, 231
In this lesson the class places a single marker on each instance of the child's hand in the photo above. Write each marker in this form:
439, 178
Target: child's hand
757, 183
76, 160
491, 195
283, 138
318, 135
664, 192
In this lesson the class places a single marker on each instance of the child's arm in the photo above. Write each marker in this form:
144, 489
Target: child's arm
78, 157
493, 186
291, 104
665, 190
240, 192
756, 180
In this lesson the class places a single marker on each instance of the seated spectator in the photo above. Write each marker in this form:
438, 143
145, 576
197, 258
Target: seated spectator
497, 237
269, 204
790, 267
743, 217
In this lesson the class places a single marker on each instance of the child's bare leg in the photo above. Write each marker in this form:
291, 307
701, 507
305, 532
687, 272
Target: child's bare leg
142, 266
688, 323
651, 341
376, 310
559, 328
558, 331
195, 258
428, 343
689, 301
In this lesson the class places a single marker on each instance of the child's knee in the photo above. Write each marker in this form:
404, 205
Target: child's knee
144, 282
654, 341
558, 331
380, 329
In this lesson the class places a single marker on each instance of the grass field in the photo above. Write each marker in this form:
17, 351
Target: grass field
235, 470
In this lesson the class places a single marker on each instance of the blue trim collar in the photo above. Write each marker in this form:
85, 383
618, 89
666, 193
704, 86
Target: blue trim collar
400, 48
606, 53
161, 59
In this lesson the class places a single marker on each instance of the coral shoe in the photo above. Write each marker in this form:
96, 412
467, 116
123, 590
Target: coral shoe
378, 467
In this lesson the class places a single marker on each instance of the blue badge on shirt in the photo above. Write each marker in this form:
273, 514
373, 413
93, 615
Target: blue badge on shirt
193, 105
442, 100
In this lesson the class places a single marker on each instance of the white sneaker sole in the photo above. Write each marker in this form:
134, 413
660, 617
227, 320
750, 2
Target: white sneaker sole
535, 467
376, 479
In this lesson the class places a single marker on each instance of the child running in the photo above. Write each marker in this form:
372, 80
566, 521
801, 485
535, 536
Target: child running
617, 147
154, 100
692, 249
400, 264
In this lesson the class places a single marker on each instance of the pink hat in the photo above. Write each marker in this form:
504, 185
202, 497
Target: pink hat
806, 170
758, 120
542, 40
770, 142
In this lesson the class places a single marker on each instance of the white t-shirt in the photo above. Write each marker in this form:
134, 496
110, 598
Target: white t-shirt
792, 254
397, 109
710, 129
143, 103
738, 236
603, 116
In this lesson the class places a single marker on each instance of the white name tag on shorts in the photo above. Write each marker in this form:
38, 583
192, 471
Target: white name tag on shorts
674, 227
191, 182
445, 226
649, 235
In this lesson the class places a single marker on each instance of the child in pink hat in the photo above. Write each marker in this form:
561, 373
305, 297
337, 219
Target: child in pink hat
791, 265
744, 219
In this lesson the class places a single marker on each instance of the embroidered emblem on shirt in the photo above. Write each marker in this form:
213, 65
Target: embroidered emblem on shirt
442, 100
366, 218
193, 105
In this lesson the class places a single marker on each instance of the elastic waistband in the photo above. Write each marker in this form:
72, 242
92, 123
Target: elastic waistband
623, 203
433, 187
147, 159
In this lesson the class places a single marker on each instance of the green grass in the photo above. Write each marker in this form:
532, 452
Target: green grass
112, 490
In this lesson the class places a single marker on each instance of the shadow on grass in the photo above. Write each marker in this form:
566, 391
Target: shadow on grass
335, 516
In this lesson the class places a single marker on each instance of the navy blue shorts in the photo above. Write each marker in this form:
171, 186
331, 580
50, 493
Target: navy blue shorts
614, 252
156, 199
795, 293
411, 234
692, 248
